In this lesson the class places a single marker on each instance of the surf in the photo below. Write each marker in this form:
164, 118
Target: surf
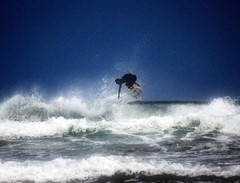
91, 169
58, 115
71, 138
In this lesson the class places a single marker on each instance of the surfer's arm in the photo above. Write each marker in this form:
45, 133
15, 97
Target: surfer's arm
119, 90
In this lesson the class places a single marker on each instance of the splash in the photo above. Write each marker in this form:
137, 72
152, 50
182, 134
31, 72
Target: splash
60, 115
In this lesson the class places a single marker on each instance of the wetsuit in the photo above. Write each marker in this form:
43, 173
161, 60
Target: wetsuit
128, 79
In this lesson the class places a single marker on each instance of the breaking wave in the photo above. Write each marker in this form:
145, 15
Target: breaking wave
32, 116
98, 166
72, 139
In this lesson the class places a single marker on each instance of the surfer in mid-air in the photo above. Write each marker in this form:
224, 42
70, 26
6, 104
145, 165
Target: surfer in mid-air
128, 79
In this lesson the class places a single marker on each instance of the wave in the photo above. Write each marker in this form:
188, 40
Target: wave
32, 116
53, 127
96, 167
34, 108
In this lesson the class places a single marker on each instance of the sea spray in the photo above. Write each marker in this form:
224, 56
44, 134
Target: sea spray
70, 138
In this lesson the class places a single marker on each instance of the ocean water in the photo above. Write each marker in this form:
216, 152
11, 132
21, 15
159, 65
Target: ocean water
69, 139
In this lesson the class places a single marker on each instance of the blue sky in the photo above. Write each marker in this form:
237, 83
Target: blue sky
186, 49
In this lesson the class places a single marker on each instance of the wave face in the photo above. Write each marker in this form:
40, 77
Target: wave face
66, 139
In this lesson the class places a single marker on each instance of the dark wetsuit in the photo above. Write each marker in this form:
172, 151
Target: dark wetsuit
128, 79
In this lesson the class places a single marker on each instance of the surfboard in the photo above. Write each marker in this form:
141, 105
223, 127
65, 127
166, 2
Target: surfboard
136, 90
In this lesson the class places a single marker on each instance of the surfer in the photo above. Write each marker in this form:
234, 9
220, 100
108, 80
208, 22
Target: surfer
128, 79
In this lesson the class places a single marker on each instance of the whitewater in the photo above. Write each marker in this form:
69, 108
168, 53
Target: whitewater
73, 139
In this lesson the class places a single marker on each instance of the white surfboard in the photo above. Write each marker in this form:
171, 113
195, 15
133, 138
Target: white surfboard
136, 90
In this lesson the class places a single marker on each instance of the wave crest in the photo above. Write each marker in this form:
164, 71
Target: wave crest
34, 108
62, 115
98, 166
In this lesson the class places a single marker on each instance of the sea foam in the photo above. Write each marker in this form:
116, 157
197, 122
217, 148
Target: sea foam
60, 170
31, 116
